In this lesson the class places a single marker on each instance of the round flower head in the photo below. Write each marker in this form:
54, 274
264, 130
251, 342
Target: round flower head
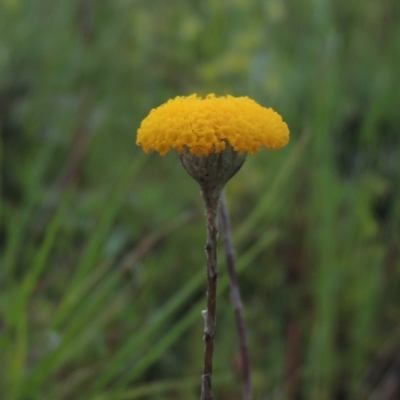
206, 126
212, 135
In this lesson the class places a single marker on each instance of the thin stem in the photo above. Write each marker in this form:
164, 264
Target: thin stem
211, 200
235, 298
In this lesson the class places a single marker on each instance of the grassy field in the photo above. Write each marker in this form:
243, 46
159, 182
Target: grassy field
102, 275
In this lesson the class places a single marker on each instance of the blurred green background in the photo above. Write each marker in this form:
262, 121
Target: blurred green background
102, 247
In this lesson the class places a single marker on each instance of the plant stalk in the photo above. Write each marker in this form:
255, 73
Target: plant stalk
211, 198
236, 298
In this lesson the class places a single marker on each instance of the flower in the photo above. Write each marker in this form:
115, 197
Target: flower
206, 126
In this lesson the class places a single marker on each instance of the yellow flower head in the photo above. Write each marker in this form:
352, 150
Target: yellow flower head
205, 126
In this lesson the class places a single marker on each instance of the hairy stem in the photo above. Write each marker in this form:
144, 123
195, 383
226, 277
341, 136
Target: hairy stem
235, 298
211, 199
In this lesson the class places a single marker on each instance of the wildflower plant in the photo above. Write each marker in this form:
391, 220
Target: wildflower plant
213, 136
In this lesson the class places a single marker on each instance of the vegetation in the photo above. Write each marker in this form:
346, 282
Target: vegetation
102, 263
